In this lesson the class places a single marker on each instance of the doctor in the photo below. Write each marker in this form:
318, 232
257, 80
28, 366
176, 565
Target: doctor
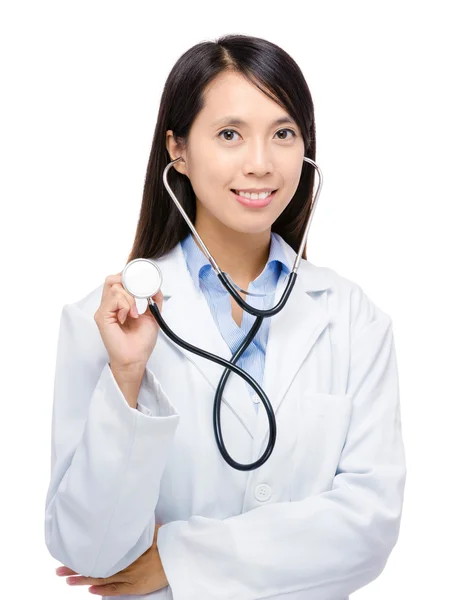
132, 440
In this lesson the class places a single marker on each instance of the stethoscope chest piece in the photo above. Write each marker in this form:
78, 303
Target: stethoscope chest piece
142, 278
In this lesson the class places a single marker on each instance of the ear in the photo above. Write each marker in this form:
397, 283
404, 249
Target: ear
175, 150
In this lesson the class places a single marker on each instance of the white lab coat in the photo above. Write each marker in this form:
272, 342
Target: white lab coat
316, 522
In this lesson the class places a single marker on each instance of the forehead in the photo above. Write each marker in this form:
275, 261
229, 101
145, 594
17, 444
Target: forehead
231, 94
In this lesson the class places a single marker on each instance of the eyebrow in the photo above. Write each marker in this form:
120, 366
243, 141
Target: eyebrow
232, 120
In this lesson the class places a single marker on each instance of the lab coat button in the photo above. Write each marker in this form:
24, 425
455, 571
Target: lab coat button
262, 492
256, 399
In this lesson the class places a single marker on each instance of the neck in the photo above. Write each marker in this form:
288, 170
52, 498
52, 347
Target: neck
242, 255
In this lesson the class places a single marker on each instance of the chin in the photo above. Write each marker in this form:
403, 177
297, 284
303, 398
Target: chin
251, 228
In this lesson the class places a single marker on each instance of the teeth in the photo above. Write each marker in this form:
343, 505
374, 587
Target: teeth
253, 196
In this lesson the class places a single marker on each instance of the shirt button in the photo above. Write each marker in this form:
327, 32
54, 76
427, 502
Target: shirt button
262, 492
256, 399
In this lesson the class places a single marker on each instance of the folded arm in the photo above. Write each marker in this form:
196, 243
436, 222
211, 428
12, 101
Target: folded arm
99, 513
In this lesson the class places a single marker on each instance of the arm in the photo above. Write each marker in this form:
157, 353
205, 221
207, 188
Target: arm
99, 513
324, 546
129, 383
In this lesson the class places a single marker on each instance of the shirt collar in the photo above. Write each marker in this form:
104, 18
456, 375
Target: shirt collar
197, 262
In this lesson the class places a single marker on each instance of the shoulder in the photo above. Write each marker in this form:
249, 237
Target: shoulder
347, 296
87, 305
346, 299
79, 336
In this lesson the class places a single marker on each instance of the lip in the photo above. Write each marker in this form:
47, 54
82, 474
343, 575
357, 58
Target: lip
259, 203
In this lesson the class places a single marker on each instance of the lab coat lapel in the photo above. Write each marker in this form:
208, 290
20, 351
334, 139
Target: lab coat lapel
293, 332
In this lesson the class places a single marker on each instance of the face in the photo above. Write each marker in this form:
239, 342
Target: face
222, 156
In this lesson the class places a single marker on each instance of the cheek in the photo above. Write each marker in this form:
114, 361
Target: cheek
209, 171
290, 184
212, 185
292, 179
294, 171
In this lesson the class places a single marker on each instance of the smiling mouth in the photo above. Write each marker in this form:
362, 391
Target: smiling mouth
270, 194
255, 202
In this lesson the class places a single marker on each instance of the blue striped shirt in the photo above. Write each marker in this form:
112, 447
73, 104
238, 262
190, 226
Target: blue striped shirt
218, 299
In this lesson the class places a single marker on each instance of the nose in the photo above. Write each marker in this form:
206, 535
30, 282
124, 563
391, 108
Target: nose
257, 159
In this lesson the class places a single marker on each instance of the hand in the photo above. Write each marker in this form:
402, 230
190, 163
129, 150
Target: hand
143, 576
129, 341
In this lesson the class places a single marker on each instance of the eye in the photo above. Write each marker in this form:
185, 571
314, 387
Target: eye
293, 132
232, 131
227, 130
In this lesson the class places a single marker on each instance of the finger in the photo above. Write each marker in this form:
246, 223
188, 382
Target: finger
159, 298
113, 589
111, 279
131, 307
109, 282
117, 303
115, 282
108, 300
65, 571
82, 580
124, 309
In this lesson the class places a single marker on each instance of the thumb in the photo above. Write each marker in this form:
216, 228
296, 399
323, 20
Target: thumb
118, 588
159, 299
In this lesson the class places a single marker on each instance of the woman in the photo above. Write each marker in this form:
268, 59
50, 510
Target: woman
136, 473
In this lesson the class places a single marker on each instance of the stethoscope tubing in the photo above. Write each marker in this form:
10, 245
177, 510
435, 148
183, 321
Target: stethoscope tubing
257, 311
230, 366
217, 408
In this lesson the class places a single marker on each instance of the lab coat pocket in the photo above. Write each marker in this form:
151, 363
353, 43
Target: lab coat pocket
322, 424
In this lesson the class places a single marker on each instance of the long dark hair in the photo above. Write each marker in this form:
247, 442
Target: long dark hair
161, 226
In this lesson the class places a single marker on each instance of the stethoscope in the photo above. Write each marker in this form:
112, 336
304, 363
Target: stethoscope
142, 278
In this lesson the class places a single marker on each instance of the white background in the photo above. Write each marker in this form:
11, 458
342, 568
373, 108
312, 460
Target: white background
81, 83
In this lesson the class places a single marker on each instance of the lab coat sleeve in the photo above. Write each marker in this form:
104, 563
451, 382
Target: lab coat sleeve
107, 458
326, 546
